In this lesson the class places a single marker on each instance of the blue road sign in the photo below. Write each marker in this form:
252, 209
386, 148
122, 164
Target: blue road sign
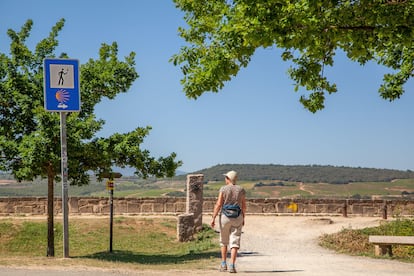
61, 85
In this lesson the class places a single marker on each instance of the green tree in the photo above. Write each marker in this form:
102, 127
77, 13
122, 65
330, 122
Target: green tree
30, 136
223, 35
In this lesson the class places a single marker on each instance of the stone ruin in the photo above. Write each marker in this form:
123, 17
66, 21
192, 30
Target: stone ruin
192, 221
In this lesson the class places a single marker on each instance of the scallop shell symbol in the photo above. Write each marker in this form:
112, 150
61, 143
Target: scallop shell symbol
62, 96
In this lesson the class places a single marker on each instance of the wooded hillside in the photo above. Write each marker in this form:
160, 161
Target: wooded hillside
305, 173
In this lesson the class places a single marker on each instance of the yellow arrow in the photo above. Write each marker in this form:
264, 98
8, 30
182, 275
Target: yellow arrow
293, 206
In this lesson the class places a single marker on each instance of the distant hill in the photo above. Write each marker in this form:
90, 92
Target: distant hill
305, 173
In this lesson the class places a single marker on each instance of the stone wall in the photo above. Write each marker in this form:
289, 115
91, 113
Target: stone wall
176, 206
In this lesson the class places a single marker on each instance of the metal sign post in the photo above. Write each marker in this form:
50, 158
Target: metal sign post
62, 94
64, 168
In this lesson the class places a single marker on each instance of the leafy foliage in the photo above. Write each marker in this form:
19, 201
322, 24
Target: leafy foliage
223, 35
30, 137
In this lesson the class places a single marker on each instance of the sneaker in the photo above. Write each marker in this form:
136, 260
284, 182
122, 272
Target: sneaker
232, 268
223, 267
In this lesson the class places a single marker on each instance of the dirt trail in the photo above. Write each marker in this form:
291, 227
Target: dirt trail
302, 188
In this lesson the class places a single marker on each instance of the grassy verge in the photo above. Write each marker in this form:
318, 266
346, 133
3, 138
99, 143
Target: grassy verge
138, 243
355, 242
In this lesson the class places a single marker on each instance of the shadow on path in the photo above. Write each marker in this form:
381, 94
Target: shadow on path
132, 257
271, 271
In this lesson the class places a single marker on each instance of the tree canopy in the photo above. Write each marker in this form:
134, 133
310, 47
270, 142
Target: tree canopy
29, 135
223, 35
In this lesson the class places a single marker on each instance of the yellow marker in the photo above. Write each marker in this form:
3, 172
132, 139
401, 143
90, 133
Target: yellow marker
293, 206
110, 185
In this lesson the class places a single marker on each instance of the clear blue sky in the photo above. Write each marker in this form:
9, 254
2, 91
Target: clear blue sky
255, 119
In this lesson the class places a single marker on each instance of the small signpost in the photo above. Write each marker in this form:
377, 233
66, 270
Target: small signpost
62, 94
110, 186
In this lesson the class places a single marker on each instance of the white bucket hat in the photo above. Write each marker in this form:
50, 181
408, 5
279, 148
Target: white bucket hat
232, 175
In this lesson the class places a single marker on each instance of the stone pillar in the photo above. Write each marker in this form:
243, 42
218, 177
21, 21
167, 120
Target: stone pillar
185, 227
195, 199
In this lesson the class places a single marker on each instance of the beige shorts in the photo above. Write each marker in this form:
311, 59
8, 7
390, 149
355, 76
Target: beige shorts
230, 231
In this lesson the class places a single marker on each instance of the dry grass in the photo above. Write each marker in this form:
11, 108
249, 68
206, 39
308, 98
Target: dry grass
355, 242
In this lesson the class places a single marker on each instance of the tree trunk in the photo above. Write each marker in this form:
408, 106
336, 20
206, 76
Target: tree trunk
50, 214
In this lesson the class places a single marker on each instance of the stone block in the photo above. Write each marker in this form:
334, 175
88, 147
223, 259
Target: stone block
147, 208
185, 227
104, 209
134, 207
328, 208
370, 211
23, 209
307, 208
180, 207
158, 208
73, 205
39, 210
254, 208
96, 209
269, 208
86, 209
6, 207
170, 207
120, 207
208, 206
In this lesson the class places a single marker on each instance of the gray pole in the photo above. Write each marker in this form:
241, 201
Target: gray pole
64, 168
111, 218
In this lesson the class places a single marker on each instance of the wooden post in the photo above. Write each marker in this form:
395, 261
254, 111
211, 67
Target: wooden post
345, 209
110, 187
384, 210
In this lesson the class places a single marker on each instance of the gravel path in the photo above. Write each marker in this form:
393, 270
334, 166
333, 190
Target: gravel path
273, 245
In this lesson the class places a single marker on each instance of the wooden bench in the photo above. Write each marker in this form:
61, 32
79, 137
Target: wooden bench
383, 244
